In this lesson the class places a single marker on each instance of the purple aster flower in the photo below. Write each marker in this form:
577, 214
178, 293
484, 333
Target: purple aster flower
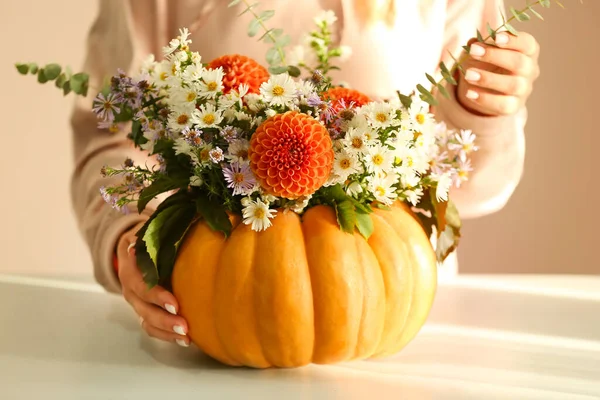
314, 100
240, 178
106, 107
162, 164
193, 136
112, 127
230, 133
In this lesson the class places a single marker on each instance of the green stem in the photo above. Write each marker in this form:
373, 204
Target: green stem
279, 48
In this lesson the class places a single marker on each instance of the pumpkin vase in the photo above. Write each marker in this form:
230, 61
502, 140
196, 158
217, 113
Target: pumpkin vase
303, 291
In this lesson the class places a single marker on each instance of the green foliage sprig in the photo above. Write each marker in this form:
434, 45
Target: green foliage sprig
448, 73
276, 54
63, 79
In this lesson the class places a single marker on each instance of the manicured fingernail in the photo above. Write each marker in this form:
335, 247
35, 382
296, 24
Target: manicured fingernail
502, 38
131, 248
171, 308
178, 329
472, 75
473, 95
477, 50
182, 343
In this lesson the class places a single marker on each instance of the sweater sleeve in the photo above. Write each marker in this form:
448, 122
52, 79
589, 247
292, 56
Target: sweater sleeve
498, 164
119, 38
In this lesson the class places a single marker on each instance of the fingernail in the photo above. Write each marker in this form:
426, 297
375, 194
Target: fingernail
477, 50
502, 38
473, 95
182, 343
171, 308
131, 248
179, 330
472, 75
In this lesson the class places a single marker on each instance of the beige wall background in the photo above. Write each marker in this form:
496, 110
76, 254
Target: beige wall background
550, 225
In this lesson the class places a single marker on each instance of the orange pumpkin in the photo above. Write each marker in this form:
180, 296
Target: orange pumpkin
303, 291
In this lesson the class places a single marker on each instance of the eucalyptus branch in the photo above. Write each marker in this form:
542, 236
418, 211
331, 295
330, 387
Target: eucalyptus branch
448, 74
276, 54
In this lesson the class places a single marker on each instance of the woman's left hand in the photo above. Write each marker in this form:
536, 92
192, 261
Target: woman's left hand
499, 80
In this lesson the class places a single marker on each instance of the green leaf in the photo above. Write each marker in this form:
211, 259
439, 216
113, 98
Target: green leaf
278, 70
361, 208
266, 15
136, 134
519, 15
422, 89
479, 36
33, 68
253, 27
511, 29
537, 14
144, 262
233, 3
364, 224
449, 78
66, 88
405, 100
41, 77
60, 81
52, 71
273, 56
161, 185
22, 68
431, 79
79, 83
283, 41
491, 31
293, 71
152, 234
545, 3
443, 91
334, 193
444, 68
214, 214
271, 35
249, 8
346, 216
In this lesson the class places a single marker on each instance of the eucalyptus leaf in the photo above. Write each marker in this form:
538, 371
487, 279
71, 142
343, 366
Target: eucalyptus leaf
233, 3
253, 27
537, 14
278, 70
293, 71
60, 81
52, 71
491, 31
266, 15
443, 91
247, 9
79, 83
273, 56
66, 88
431, 79
545, 3
405, 100
272, 34
33, 68
511, 29
22, 68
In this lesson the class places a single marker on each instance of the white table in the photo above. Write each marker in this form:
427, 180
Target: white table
486, 338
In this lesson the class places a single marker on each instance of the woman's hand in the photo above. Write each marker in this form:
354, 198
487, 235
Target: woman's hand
157, 308
499, 80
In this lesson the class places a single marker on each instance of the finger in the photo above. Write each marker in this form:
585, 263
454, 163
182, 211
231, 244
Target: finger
502, 84
512, 61
523, 43
131, 279
491, 103
157, 317
160, 334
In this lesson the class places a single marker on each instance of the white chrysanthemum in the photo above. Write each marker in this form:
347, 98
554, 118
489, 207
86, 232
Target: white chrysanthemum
380, 115
326, 17
181, 146
207, 116
183, 96
149, 65
180, 41
212, 83
305, 88
345, 164
379, 159
413, 195
270, 113
181, 117
162, 72
279, 90
444, 182
383, 188
238, 151
419, 114
192, 73
355, 141
258, 214
254, 102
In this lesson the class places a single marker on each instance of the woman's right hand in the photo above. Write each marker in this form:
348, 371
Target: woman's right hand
157, 308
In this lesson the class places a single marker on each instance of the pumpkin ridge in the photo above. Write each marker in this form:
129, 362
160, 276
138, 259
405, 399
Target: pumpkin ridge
397, 326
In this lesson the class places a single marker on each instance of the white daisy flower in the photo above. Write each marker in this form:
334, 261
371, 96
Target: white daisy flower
181, 117
345, 164
355, 141
148, 65
379, 159
193, 73
258, 214
462, 172
279, 90
418, 113
465, 144
380, 115
238, 151
181, 96
383, 188
254, 102
182, 146
326, 17
207, 116
162, 72
270, 113
413, 195
212, 83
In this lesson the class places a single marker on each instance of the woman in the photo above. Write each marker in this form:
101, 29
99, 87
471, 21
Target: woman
394, 43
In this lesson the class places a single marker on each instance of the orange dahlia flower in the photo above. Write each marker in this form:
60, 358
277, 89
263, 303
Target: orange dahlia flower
348, 95
291, 155
240, 69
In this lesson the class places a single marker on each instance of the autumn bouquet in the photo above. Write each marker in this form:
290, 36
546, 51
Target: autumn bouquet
235, 146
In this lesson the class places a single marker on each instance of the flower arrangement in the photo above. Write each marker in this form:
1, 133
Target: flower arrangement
231, 137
